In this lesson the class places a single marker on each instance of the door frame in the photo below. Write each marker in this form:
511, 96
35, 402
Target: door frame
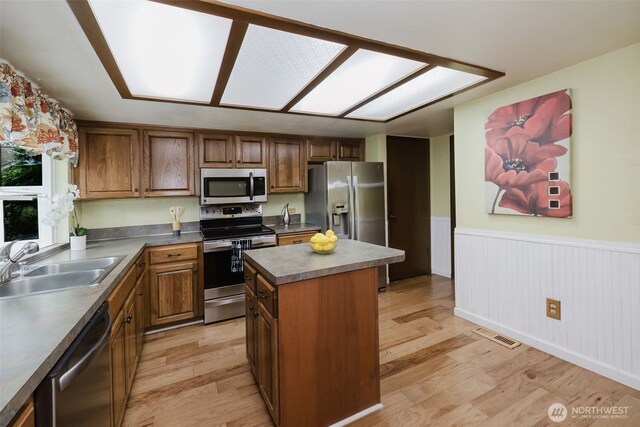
452, 201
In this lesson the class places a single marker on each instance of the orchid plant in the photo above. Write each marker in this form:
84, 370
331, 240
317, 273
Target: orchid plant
61, 206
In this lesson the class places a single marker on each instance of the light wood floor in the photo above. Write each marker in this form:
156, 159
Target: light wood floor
434, 371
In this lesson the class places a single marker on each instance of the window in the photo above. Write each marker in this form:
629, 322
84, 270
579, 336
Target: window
25, 184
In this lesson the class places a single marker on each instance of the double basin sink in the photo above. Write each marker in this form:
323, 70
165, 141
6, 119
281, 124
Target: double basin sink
63, 275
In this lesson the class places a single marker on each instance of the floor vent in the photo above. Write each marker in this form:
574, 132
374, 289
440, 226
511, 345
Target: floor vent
495, 337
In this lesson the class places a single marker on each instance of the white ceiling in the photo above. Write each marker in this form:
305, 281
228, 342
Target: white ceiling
524, 39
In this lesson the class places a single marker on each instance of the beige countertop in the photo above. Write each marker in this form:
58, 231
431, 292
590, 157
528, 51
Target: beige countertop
35, 330
292, 263
293, 228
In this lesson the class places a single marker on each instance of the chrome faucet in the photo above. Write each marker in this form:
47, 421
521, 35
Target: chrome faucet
7, 265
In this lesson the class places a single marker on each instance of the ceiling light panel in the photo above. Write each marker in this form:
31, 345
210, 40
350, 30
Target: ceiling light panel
273, 66
164, 51
363, 74
423, 89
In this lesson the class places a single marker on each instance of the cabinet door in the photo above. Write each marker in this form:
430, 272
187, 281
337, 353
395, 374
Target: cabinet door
172, 292
118, 369
287, 165
140, 312
130, 341
26, 417
267, 360
251, 321
321, 150
251, 151
168, 164
352, 151
109, 163
216, 150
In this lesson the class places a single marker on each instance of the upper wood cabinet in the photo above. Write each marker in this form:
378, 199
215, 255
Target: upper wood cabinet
251, 151
287, 165
232, 151
321, 150
109, 163
352, 151
216, 150
168, 164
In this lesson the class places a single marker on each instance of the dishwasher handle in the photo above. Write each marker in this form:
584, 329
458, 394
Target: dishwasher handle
67, 377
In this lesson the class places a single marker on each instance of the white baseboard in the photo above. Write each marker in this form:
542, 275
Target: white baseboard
570, 356
358, 415
441, 273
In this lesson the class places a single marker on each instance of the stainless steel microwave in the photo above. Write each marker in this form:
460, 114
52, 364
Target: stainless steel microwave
232, 186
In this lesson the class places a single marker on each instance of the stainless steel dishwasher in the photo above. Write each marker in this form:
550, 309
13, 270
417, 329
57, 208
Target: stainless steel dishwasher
76, 390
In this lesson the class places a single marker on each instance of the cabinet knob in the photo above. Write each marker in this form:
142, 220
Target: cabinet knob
135, 190
238, 161
262, 295
129, 318
229, 161
251, 308
255, 313
178, 254
146, 190
195, 270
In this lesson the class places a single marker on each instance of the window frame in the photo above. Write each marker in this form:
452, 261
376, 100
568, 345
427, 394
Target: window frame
46, 234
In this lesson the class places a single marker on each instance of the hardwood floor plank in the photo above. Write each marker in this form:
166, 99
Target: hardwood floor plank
435, 372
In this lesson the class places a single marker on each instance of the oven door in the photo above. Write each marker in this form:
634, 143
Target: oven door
220, 279
233, 186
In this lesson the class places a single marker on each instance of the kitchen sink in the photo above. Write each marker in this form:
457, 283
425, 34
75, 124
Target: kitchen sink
59, 276
52, 282
80, 265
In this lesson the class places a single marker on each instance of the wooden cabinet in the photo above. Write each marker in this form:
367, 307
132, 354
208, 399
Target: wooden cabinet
117, 345
174, 283
251, 323
352, 151
321, 150
295, 238
251, 151
216, 150
109, 163
287, 165
26, 417
232, 151
127, 309
168, 164
267, 360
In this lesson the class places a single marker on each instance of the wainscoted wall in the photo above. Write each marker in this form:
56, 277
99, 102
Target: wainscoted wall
441, 246
503, 279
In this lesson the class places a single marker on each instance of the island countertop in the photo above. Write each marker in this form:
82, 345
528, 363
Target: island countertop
292, 263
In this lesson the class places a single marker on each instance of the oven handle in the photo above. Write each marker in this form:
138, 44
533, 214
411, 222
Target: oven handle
225, 245
251, 188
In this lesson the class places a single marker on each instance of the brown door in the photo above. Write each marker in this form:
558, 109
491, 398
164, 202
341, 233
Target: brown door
267, 360
168, 164
287, 165
173, 292
251, 151
408, 205
216, 150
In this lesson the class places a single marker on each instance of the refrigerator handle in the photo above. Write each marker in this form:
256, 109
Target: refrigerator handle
352, 214
354, 209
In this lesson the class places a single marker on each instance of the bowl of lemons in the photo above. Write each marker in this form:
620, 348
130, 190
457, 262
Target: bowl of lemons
324, 243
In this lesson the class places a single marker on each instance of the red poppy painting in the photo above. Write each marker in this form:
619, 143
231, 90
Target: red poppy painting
526, 158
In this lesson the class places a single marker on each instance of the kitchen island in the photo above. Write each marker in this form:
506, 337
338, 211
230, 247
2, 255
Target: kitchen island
312, 330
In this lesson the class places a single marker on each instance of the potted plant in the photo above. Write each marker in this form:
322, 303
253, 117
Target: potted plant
61, 206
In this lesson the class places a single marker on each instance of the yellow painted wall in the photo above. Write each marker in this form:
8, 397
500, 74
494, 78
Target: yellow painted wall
439, 176
605, 151
127, 212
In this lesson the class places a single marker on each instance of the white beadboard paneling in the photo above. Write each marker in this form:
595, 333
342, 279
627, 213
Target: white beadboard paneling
503, 280
441, 246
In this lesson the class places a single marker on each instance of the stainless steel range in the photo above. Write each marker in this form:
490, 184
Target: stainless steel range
229, 230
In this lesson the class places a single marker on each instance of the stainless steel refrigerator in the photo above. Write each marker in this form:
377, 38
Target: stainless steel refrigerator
348, 198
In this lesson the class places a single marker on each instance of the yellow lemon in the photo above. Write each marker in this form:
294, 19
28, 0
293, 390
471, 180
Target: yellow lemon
333, 238
315, 237
328, 247
317, 247
330, 233
323, 239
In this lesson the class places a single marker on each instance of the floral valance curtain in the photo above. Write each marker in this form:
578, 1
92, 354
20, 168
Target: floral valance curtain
33, 121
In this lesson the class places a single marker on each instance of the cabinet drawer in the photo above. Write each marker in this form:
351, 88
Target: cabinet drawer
267, 295
173, 253
295, 238
121, 292
250, 277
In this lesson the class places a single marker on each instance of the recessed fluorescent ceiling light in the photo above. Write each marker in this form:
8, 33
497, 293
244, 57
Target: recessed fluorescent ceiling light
423, 89
363, 74
273, 66
164, 51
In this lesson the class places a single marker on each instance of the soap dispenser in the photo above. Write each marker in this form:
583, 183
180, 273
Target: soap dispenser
286, 218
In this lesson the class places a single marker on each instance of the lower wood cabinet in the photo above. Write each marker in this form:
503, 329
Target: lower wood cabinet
26, 417
294, 238
267, 360
174, 283
117, 345
251, 322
